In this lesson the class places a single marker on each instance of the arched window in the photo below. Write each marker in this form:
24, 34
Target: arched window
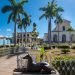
63, 38
54, 38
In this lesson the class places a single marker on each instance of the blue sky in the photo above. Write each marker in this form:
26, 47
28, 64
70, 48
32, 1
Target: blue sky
32, 8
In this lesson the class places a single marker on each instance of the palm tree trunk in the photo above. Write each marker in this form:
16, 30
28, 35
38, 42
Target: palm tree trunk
58, 34
19, 39
25, 37
15, 35
22, 37
49, 32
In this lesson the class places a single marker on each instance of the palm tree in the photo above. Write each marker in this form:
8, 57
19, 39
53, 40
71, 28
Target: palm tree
26, 22
20, 27
50, 12
58, 21
15, 9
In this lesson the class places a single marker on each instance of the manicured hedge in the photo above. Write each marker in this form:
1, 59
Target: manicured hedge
56, 46
64, 47
65, 51
1, 46
47, 48
73, 47
53, 47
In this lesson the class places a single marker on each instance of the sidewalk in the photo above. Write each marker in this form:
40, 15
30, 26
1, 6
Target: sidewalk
7, 65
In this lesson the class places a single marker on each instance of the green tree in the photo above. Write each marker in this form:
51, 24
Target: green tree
15, 9
20, 26
50, 12
26, 22
58, 21
23, 24
34, 34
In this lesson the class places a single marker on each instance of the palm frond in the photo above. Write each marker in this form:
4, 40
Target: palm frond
53, 2
43, 9
24, 13
6, 8
58, 19
60, 9
13, 2
43, 15
25, 26
49, 4
26, 20
20, 26
34, 24
10, 17
14, 17
23, 2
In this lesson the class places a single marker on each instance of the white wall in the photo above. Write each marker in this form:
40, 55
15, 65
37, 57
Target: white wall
67, 33
65, 23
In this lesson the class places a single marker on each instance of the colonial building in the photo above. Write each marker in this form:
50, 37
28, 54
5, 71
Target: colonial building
28, 38
62, 31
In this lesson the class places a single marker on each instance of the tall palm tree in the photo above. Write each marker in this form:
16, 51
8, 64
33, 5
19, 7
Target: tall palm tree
58, 21
20, 26
15, 9
50, 12
26, 22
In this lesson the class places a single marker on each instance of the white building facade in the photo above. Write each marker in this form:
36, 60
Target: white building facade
60, 33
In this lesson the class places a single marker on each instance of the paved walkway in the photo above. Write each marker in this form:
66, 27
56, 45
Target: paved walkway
7, 65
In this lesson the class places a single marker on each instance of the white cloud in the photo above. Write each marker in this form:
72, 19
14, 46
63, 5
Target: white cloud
1, 36
8, 30
8, 36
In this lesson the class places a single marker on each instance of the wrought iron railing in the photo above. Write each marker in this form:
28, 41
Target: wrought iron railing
7, 51
65, 67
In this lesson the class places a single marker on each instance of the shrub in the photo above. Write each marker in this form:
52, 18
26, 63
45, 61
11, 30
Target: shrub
61, 61
47, 48
12, 46
1, 46
56, 64
65, 51
53, 47
73, 47
45, 45
63, 47
42, 51
64, 58
7, 45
